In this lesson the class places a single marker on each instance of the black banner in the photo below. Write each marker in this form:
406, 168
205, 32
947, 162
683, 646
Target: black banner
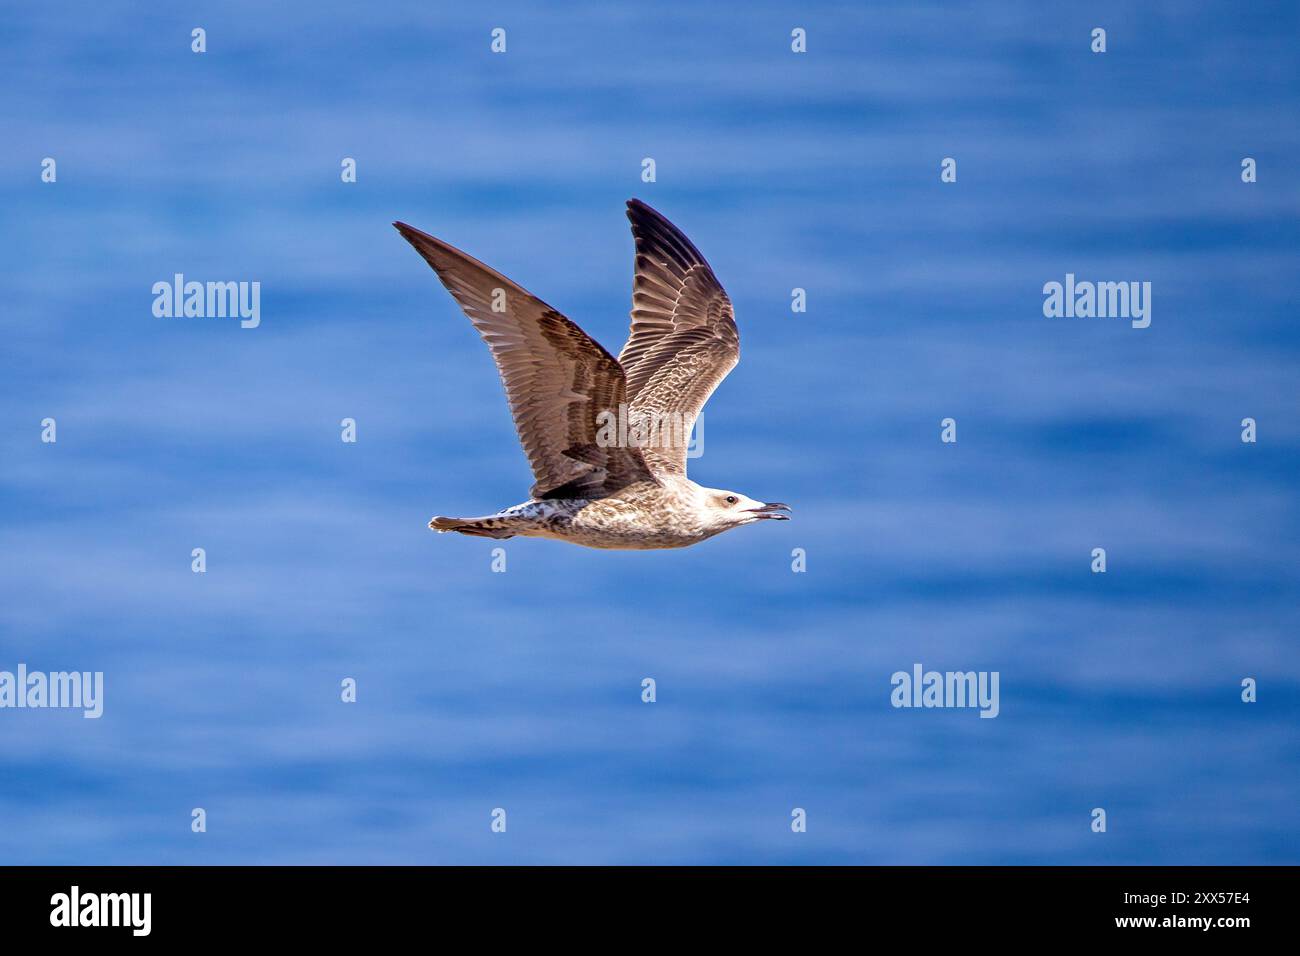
334, 904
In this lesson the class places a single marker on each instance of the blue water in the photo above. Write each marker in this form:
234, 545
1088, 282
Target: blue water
522, 690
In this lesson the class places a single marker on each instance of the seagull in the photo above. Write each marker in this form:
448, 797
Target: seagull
607, 438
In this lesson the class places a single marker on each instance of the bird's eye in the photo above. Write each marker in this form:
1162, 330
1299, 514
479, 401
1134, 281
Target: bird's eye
732, 499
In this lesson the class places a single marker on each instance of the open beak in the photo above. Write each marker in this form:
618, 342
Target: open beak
772, 510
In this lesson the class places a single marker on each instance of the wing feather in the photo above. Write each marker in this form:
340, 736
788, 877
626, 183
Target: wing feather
558, 380
683, 340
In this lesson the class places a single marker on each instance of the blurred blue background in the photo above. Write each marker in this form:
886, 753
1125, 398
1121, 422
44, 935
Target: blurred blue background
522, 690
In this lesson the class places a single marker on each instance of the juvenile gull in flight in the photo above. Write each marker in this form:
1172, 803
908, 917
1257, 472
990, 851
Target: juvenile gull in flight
607, 437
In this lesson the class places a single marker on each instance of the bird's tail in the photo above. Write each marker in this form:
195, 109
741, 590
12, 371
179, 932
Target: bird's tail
486, 527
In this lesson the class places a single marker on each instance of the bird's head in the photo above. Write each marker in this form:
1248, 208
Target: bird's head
731, 509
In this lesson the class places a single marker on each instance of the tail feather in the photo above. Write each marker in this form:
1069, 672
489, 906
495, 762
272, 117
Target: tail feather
479, 527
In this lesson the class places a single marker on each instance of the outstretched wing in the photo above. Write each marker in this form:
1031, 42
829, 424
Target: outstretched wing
557, 379
683, 341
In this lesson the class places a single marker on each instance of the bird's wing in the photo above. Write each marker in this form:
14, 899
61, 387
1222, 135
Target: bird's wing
683, 340
557, 379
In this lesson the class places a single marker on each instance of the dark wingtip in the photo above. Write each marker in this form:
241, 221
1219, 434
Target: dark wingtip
640, 212
648, 219
412, 235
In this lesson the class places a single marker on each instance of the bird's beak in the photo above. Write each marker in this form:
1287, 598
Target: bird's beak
772, 510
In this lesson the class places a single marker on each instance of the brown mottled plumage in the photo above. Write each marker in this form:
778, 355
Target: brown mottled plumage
595, 485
